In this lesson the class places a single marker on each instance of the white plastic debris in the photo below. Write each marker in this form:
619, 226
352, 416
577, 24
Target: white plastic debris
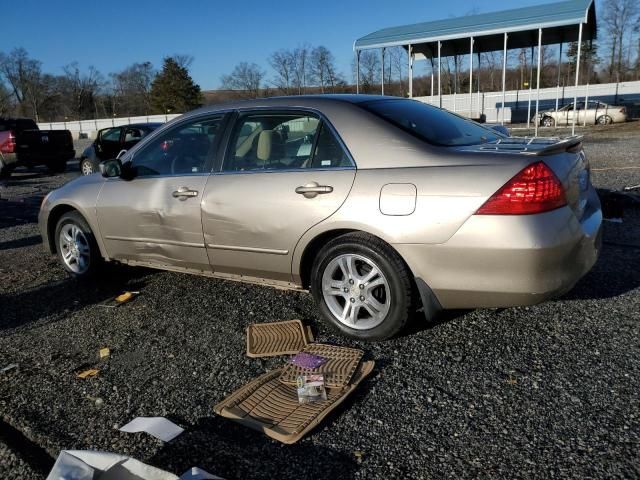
196, 473
87, 465
159, 427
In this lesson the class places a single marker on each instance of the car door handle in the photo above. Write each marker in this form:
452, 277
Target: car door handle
312, 189
183, 193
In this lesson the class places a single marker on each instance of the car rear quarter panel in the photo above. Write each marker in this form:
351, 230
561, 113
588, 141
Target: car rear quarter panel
447, 193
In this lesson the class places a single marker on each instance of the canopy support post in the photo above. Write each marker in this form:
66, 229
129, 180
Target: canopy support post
471, 79
575, 92
504, 76
410, 54
431, 102
439, 74
479, 69
357, 72
558, 83
538, 80
530, 89
382, 79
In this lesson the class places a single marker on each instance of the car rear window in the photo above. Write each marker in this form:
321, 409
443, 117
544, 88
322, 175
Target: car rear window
431, 124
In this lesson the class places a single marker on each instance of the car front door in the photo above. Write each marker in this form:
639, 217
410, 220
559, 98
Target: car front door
283, 172
155, 217
108, 143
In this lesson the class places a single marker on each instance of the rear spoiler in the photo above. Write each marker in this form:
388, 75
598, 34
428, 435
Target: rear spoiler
569, 144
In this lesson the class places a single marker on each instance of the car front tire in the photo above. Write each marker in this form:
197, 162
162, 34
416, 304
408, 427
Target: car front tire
76, 245
362, 287
548, 122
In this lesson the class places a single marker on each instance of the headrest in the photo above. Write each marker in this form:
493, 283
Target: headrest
265, 145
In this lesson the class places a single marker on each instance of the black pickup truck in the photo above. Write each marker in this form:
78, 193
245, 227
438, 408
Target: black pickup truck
23, 143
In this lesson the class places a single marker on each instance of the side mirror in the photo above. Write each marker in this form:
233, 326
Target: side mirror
111, 168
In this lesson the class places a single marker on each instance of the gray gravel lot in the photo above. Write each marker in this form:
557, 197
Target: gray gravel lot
549, 391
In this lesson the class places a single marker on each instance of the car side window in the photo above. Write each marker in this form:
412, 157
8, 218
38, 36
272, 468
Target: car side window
272, 142
284, 142
111, 135
328, 152
132, 135
185, 149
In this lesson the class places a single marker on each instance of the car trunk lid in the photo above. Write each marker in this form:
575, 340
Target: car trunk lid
565, 157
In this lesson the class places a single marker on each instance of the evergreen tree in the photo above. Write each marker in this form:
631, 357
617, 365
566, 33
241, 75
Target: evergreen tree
173, 89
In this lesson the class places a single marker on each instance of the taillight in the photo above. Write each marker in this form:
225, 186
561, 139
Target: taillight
623, 110
535, 189
9, 146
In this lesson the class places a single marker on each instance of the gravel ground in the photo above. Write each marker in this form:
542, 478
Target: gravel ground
548, 391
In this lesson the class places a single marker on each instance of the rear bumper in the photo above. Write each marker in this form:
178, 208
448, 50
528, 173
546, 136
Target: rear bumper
502, 261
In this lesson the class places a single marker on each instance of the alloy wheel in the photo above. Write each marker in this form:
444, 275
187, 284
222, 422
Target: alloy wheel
356, 291
74, 248
87, 168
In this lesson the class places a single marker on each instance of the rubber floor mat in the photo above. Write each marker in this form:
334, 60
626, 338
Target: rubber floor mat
270, 406
338, 370
277, 338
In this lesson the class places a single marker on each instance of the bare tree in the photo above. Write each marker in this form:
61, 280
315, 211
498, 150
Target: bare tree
283, 65
246, 77
322, 68
132, 88
619, 17
24, 77
300, 63
369, 69
81, 89
183, 60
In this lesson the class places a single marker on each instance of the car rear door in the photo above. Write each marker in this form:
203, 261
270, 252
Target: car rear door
155, 218
283, 172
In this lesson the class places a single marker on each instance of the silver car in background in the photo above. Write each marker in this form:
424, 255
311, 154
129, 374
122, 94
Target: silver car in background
379, 206
596, 113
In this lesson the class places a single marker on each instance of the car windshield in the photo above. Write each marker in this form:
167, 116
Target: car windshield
434, 125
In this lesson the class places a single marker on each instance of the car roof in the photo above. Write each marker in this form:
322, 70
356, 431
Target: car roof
309, 101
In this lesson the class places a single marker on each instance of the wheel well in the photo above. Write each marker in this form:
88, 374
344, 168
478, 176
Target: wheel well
54, 216
310, 252
423, 297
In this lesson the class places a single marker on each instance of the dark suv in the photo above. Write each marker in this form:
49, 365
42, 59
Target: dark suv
110, 142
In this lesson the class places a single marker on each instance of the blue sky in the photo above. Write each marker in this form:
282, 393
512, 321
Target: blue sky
112, 35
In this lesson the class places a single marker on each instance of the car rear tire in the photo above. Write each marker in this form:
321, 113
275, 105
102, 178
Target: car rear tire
59, 166
604, 120
362, 287
76, 246
548, 122
87, 167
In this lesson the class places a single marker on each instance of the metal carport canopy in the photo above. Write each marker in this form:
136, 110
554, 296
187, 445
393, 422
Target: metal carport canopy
560, 22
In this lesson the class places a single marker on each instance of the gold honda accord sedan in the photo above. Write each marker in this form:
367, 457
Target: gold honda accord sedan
379, 206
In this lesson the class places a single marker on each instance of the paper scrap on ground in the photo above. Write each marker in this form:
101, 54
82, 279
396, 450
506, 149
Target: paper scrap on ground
159, 427
196, 473
104, 352
92, 372
8, 368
